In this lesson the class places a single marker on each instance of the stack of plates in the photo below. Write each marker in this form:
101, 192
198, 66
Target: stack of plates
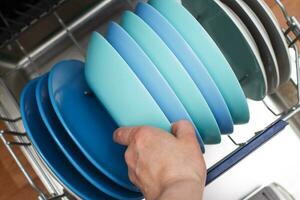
251, 39
160, 65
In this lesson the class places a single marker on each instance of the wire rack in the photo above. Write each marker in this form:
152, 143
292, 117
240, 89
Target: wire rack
13, 138
24, 15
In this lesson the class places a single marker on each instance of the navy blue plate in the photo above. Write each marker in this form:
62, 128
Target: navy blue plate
86, 121
72, 152
49, 151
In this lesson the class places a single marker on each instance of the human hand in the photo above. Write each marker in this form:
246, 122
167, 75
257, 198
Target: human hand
163, 165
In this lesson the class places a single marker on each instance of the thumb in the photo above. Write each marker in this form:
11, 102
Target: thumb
183, 130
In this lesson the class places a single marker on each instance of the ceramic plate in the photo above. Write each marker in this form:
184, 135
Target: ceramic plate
233, 43
119, 89
146, 71
190, 62
262, 40
273, 29
172, 70
209, 53
49, 151
248, 37
86, 121
71, 151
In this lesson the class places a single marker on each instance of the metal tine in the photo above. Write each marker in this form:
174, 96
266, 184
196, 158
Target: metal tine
56, 197
295, 40
12, 143
296, 50
24, 51
14, 21
10, 120
24, 171
70, 34
23, 14
292, 22
236, 143
271, 110
14, 133
33, 6
298, 70
284, 11
65, 27
4, 20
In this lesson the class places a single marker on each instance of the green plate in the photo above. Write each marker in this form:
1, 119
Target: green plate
209, 54
119, 90
233, 44
176, 76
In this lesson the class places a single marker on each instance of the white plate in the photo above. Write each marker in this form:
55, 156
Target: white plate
262, 40
247, 35
277, 38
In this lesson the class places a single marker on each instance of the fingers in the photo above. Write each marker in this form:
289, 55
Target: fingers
125, 135
183, 129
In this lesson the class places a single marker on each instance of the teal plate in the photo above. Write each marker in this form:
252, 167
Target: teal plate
119, 89
233, 44
209, 54
175, 74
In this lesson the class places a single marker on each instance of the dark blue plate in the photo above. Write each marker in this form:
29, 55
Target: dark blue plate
86, 121
49, 151
72, 152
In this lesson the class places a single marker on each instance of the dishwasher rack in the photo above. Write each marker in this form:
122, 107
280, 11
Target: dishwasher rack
14, 137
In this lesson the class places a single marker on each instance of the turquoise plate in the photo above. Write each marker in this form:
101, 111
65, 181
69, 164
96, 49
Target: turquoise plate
175, 74
119, 89
234, 46
209, 54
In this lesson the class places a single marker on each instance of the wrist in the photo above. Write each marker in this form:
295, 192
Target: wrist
181, 189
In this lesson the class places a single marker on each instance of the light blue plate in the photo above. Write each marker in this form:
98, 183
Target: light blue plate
191, 62
175, 74
71, 151
49, 151
146, 71
87, 121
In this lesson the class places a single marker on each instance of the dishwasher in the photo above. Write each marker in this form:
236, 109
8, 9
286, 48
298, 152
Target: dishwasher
39, 33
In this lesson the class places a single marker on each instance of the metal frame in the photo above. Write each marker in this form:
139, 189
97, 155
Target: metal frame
243, 150
261, 137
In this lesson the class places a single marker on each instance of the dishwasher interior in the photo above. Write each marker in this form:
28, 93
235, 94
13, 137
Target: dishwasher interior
50, 31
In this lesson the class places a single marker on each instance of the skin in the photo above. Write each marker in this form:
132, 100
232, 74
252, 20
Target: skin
163, 165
